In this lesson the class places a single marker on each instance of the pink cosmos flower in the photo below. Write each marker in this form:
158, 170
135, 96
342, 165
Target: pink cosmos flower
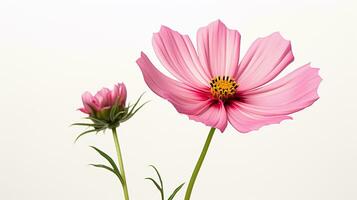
212, 86
104, 99
107, 110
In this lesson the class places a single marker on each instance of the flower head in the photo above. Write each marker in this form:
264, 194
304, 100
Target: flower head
107, 108
104, 100
212, 86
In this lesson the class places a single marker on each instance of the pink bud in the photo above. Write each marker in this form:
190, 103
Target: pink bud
104, 99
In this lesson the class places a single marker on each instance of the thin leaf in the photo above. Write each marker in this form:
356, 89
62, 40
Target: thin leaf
109, 169
161, 189
158, 174
156, 184
108, 158
84, 133
175, 191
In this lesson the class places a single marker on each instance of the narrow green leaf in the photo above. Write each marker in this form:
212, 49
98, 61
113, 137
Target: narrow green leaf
156, 184
109, 169
84, 133
175, 191
158, 174
108, 158
162, 185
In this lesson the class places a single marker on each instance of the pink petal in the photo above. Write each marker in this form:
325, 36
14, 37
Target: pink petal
214, 116
87, 99
114, 94
294, 92
177, 54
185, 99
272, 103
218, 49
265, 59
123, 94
103, 97
83, 110
119, 94
245, 121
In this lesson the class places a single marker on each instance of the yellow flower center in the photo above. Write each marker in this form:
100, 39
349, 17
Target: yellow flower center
223, 87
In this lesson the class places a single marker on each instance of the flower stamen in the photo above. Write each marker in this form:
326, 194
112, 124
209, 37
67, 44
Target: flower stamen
223, 87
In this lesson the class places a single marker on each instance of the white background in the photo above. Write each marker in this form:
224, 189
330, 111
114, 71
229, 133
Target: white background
52, 51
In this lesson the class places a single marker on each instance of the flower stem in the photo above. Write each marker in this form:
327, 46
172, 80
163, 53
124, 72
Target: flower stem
199, 164
121, 165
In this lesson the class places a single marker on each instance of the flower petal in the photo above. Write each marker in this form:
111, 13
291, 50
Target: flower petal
185, 99
118, 94
89, 103
87, 98
84, 110
265, 59
292, 93
103, 97
245, 121
272, 103
214, 116
177, 54
218, 49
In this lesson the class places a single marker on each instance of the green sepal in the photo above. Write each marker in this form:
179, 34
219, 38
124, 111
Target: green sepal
136, 103
85, 124
103, 114
117, 115
133, 111
112, 112
128, 116
97, 121
86, 132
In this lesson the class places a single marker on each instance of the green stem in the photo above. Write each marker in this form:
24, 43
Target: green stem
199, 164
121, 165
